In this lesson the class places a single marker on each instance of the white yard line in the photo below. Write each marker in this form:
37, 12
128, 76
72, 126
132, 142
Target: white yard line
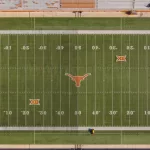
51, 87
17, 80
138, 85
25, 84
121, 89
43, 80
86, 83
129, 80
103, 81
147, 78
60, 80
69, 79
121, 84
8, 78
112, 84
0, 74
77, 89
34, 79
95, 81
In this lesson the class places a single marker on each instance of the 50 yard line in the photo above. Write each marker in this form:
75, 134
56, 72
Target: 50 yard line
86, 80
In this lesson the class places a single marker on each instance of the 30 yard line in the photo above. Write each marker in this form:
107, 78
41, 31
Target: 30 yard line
60, 80
129, 80
43, 80
103, 80
147, 77
17, 79
95, 82
138, 84
86, 81
112, 83
8, 78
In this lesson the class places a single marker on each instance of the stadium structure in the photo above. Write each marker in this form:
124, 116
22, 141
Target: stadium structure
66, 5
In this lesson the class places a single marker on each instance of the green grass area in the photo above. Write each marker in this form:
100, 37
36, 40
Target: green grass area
74, 23
115, 94
111, 137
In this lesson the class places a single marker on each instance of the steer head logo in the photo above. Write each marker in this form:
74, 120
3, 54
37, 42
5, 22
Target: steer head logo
77, 79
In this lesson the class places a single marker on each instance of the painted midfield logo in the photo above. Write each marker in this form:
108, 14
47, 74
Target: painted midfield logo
77, 79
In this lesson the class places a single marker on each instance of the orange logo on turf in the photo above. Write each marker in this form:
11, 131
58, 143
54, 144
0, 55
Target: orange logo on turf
34, 102
121, 58
77, 79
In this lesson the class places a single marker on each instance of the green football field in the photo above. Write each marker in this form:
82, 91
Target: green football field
33, 67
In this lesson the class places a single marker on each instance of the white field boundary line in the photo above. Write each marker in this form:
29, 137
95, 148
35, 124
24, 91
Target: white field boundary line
74, 31
61, 146
74, 128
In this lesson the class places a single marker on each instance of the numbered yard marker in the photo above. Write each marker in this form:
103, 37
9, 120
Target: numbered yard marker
34, 101
121, 58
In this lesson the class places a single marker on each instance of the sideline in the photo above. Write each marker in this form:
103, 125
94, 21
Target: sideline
41, 146
74, 31
74, 128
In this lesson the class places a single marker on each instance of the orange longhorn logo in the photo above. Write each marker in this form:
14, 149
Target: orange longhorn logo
77, 79
121, 58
